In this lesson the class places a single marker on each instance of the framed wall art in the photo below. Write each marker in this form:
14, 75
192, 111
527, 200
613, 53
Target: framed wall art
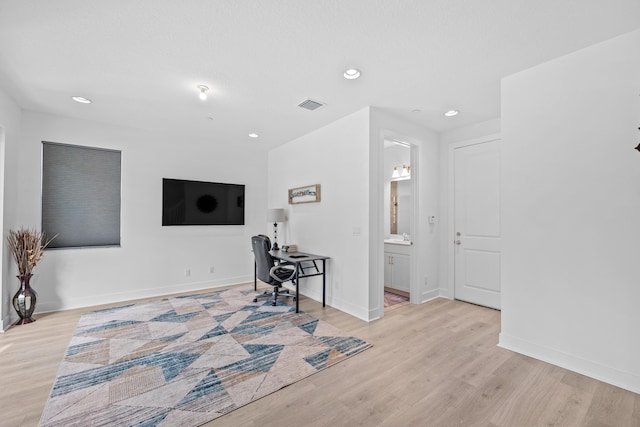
306, 194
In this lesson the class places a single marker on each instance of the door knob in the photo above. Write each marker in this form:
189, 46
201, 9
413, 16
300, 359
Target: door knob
457, 242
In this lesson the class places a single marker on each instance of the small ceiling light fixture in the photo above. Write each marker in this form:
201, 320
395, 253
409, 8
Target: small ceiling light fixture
417, 110
81, 99
203, 91
351, 73
452, 113
253, 135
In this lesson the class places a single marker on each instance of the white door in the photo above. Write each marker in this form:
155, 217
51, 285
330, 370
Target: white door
477, 223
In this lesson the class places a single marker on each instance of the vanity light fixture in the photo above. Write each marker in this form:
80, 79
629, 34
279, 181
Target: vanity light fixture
404, 172
351, 73
81, 99
203, 91
452, 113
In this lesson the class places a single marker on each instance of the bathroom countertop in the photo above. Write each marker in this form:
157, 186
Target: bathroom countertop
398, 242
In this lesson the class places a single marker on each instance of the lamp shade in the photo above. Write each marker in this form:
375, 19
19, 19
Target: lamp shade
275, 215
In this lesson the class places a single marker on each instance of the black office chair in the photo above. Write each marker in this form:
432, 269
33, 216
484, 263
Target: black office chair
269, 272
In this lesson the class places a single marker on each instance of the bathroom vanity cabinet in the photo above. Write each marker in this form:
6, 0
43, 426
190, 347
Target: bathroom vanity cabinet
397, 266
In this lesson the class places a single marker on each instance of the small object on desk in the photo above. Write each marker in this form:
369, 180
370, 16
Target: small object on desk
289, 248
299, 256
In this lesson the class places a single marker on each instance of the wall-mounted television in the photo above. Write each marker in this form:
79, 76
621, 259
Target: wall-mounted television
201, 203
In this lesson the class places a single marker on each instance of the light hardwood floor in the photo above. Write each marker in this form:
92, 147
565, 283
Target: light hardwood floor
435, 364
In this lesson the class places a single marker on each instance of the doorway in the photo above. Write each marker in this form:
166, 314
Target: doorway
476, 222
398, 217
4, 306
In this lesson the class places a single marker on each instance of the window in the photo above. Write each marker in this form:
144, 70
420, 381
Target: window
80, 195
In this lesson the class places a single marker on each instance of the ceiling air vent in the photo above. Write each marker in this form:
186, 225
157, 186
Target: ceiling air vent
310, 104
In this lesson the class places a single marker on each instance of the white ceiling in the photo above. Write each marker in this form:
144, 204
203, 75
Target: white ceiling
140, 61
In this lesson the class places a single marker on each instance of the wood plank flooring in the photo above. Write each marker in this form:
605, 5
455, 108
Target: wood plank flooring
434, 364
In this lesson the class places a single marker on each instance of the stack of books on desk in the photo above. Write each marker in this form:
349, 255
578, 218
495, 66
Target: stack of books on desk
290, 248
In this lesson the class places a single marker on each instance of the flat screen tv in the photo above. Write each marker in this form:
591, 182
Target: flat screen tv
201, 203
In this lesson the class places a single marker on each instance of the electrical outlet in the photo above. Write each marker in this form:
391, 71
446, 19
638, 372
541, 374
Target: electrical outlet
211, 269
187, 272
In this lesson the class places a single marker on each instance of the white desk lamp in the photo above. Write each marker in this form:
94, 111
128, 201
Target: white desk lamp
275, 216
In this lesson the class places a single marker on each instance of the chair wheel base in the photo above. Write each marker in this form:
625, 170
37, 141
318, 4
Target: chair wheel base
255, 300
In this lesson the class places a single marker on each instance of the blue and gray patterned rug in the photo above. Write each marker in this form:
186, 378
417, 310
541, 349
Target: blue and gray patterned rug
186, 360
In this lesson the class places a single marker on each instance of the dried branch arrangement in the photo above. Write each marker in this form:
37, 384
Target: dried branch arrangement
27, 247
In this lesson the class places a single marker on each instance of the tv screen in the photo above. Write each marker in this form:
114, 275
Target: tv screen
201, 203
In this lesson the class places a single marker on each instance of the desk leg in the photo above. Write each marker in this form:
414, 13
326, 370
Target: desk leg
324, 283
297, 293
255, 276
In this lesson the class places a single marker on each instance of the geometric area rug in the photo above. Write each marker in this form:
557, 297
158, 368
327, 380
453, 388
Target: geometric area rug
186, 360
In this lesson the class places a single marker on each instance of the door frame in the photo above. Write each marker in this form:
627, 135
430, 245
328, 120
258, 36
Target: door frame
449, 236
5, 319
414, 287
376, 245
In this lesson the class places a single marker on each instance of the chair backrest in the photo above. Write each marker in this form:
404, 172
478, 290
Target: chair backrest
264, 262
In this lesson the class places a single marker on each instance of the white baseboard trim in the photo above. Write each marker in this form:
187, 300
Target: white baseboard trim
627, 380
446, 293
6, 322
361, 313
71, 303
315, 293
429, 295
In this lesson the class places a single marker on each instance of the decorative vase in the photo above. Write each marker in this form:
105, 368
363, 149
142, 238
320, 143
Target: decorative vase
24, 301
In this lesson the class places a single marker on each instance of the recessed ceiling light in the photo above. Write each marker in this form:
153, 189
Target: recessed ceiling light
417, 110
351, 73
81, 99
253, 135
452, 113
203, 91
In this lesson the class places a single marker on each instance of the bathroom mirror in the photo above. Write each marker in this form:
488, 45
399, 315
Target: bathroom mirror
400, 204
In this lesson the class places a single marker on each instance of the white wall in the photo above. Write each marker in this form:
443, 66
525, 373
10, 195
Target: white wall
10, 116
478, 131
336, 157
425, 171
346, 158
465, 133
152, 259
571, 187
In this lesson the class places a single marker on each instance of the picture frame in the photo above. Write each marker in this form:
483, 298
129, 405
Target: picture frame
306, 194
